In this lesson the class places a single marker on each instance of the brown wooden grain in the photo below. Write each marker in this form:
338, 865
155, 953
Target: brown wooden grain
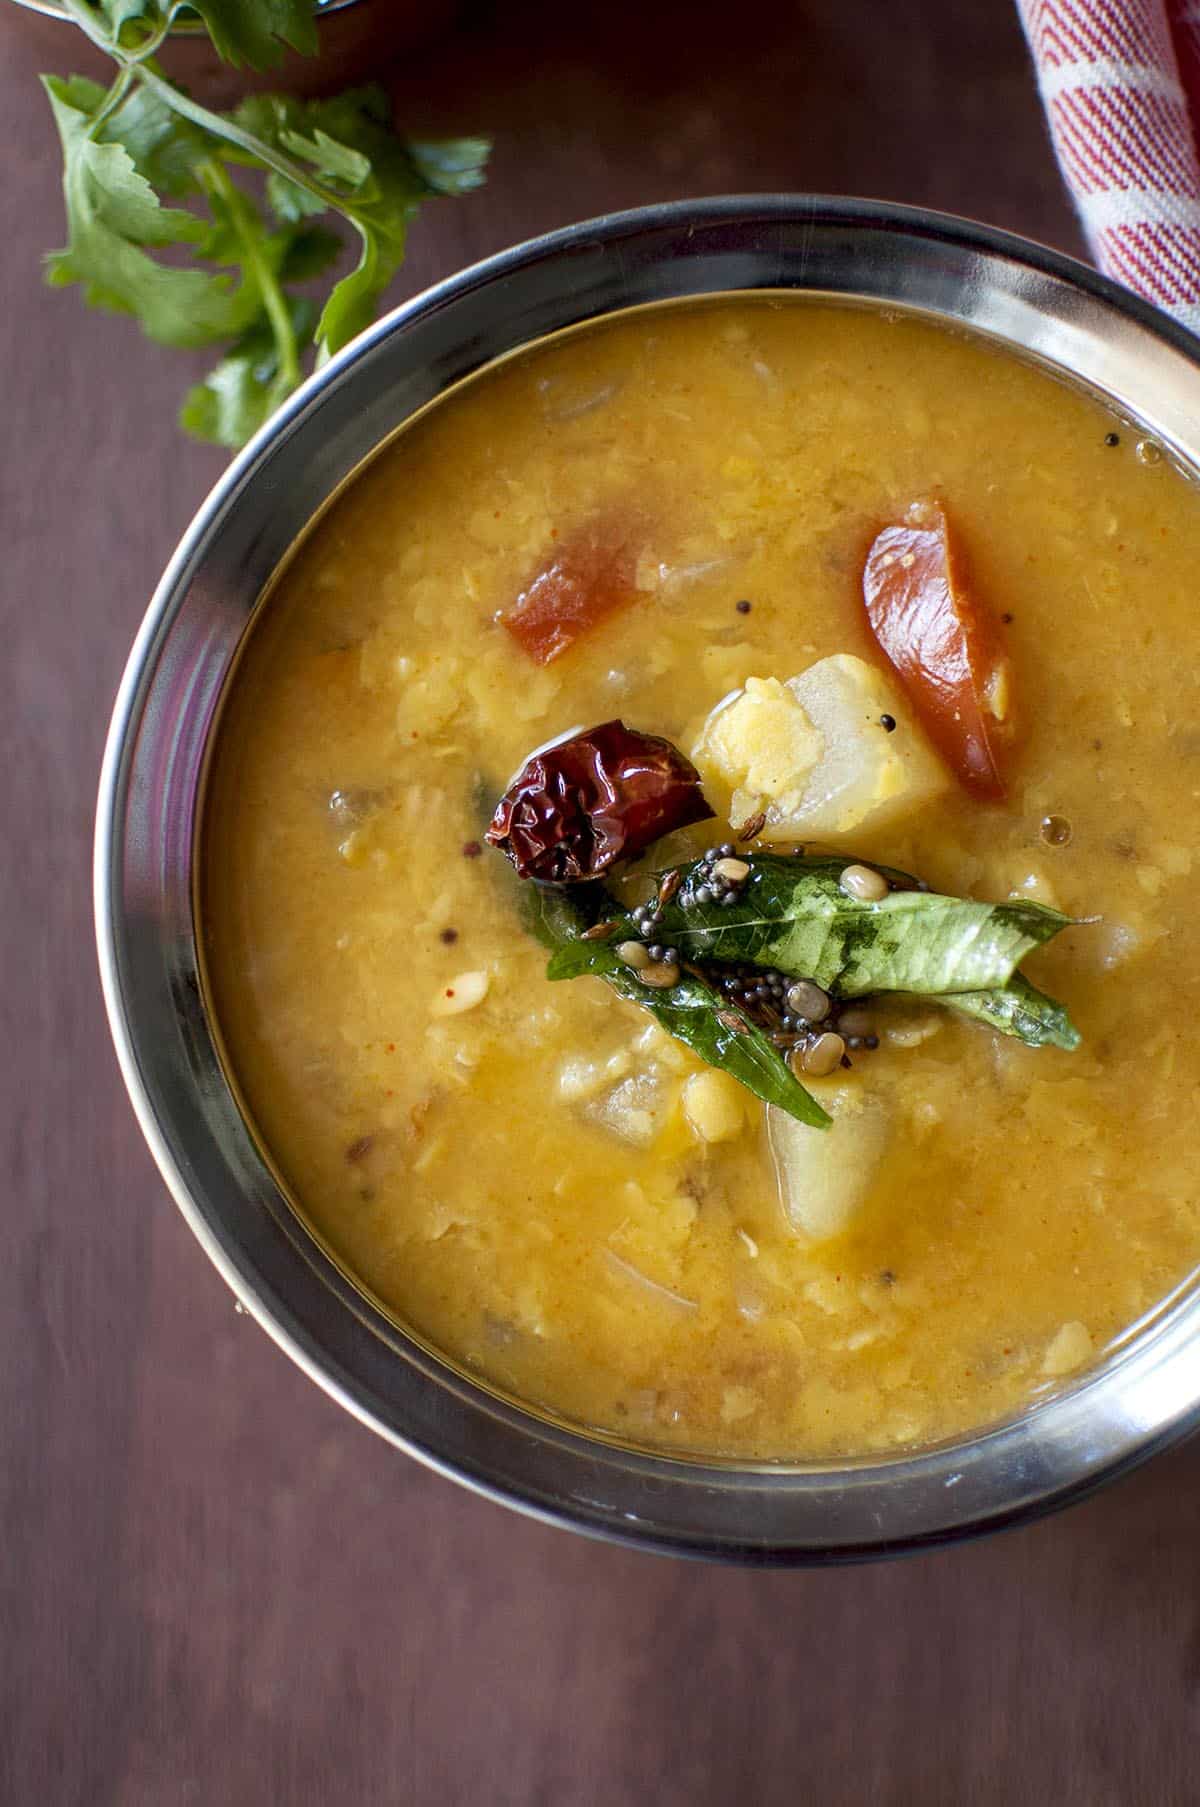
214, 1587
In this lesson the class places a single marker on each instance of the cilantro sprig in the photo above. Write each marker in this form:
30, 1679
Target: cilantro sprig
204, 225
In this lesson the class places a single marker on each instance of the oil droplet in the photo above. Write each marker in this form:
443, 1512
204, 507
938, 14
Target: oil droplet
1056, 831
1148, 452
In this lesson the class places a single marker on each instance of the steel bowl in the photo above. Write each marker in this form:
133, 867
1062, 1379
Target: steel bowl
1146, 1391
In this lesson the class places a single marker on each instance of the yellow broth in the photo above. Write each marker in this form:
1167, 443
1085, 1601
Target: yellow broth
1032, 1203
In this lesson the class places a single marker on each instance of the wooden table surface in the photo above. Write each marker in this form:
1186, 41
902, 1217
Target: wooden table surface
216, 1588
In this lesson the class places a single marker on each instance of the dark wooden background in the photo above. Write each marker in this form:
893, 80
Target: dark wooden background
214, 1587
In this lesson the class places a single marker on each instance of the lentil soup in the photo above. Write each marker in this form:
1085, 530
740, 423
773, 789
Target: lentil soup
542, 1180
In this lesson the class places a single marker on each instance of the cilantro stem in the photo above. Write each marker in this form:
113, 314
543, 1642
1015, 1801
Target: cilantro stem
108, 40
283, 165
220, 127
112, 102
216, 180
143, 134
132, 62
154, 42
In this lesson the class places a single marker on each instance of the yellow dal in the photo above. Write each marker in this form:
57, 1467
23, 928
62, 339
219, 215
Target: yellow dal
451, 1162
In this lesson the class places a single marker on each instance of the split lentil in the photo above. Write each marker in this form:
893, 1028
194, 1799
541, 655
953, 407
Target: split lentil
1002, 1194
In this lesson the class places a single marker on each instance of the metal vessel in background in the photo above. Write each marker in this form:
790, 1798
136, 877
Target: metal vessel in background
1146, 1391
357, 41
54, 9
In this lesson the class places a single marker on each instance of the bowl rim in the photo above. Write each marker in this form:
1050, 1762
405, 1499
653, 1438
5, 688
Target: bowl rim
1136, 1401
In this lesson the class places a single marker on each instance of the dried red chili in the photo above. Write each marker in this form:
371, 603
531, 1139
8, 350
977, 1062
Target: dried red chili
603, 795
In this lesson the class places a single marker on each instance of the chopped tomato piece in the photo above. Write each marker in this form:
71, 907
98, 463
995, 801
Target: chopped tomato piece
589, 579
945, 644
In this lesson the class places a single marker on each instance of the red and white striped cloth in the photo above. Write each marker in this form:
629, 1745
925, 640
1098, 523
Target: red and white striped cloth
1120, 80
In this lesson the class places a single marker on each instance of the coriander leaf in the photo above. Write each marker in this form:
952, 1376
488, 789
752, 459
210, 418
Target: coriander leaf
270, 117
347, 144
384, 190
792, 914
109, 185
308, 250
289, 202
711, 1027
266, 115
330, 157
354, 301
112, 215
337, 155
382, 221
238, 235
246, 387
451, 166
1021, 1010
375, 178
342, 136
124, 12
165, 147
256, 31
264, 367
79, 92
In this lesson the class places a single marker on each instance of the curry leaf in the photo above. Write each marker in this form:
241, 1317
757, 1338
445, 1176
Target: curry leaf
711, 1027
557, 917
1021, 1010
793, 915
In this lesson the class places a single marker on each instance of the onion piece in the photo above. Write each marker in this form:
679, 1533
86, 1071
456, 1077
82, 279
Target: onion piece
825, 1176
702, 567
747, 1296
663, 1293
581, 405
